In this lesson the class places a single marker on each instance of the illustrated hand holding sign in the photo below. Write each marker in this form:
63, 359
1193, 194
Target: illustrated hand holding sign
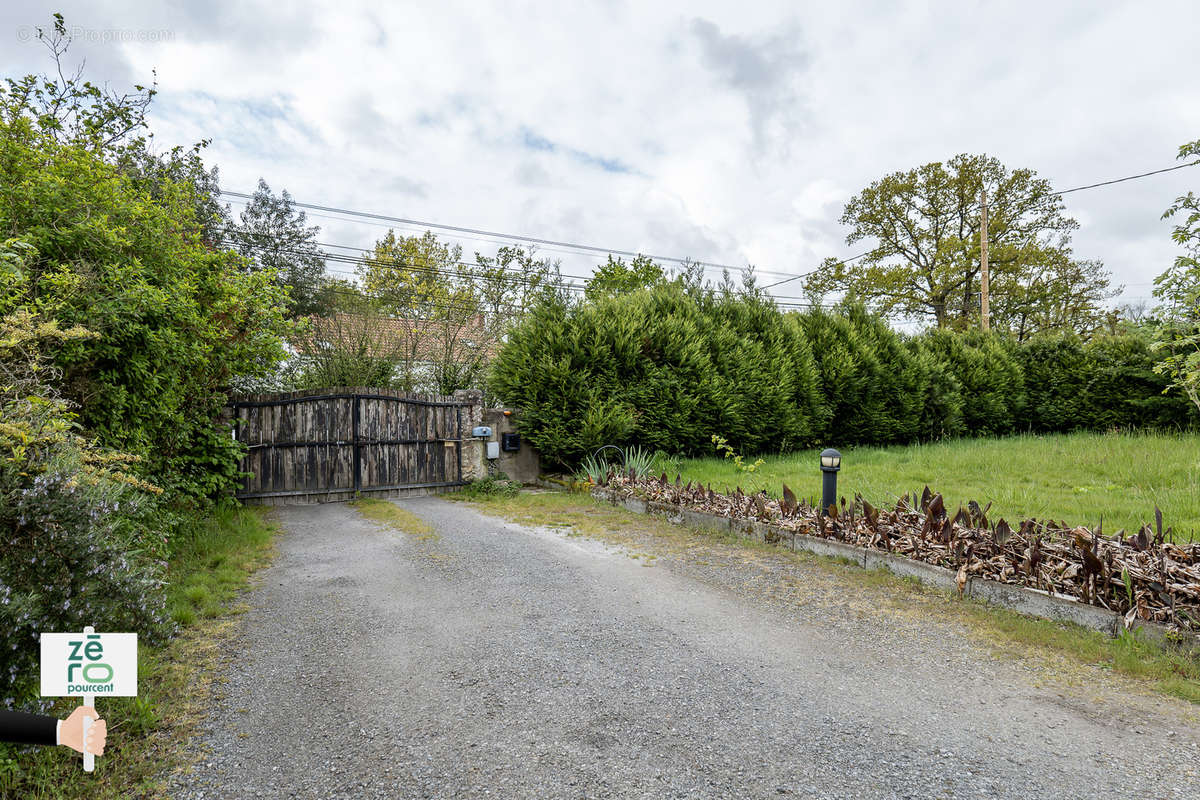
89, 664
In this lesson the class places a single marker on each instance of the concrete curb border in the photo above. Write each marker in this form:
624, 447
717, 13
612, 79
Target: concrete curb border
1022, 599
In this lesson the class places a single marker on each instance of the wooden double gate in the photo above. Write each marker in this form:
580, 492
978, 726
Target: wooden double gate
334, 444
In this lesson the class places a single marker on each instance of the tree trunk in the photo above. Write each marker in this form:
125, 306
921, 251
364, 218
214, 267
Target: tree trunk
939, 311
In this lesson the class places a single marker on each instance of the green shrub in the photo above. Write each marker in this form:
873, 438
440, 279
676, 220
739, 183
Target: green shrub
900, 385
1107, 382
126, 251
845, 369
671, 366
941, 415
873, 385
1057, 369
990, 378
77, 540
663, 368
1123, 389
498, 485
769, 388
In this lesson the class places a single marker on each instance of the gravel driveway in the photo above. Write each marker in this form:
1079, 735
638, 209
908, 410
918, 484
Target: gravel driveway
498, 661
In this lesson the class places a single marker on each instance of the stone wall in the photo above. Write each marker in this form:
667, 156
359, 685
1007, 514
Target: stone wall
524, 465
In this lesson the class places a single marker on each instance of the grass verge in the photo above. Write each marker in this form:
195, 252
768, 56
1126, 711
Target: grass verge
1067, 652
211, 562
394, 516
1080, 477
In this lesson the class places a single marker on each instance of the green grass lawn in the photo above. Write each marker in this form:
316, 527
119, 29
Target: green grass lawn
1078, 478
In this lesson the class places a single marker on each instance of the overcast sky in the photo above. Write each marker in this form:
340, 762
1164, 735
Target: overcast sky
725, 132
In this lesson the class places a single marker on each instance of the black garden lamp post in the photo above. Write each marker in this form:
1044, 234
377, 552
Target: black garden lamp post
831, 462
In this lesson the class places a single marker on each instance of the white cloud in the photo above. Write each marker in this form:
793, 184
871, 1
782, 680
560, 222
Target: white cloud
726, 133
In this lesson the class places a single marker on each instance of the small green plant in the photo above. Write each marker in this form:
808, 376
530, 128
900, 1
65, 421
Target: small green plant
639, 461
10, 772
725, 448
664, 462
141, 716
492, 486
593, 470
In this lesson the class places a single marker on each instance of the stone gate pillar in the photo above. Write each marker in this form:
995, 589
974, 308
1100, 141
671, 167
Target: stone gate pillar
473, 454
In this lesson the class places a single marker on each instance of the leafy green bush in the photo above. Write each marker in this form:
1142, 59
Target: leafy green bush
671, 366
1107, 382
941, 415
900, 384
1124, 390
872, 384
126, 250
770, 390
77, 546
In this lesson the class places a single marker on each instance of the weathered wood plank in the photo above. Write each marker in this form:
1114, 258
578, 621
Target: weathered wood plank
303, 442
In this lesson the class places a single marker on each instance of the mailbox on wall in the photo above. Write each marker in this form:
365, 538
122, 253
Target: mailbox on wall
510, 442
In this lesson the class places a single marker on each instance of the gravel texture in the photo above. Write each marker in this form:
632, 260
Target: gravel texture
496, 660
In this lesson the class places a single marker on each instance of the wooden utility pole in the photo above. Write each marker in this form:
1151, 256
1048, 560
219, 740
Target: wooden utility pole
983, 263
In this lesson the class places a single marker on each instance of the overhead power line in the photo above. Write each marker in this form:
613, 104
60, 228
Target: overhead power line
517, 277
813, 271
241, 238
510, 236
236, 237
461, 236
576, 247
1126, 178
977, 206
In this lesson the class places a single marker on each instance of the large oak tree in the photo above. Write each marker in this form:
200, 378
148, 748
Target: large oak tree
925, 224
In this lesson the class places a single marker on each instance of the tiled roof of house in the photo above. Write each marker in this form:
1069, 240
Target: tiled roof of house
403, 337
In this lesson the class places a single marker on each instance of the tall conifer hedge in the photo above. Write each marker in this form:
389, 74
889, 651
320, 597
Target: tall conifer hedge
668, 367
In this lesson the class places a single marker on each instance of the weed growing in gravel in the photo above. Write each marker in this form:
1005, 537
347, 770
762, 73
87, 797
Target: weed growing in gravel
497, 485
394, 516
